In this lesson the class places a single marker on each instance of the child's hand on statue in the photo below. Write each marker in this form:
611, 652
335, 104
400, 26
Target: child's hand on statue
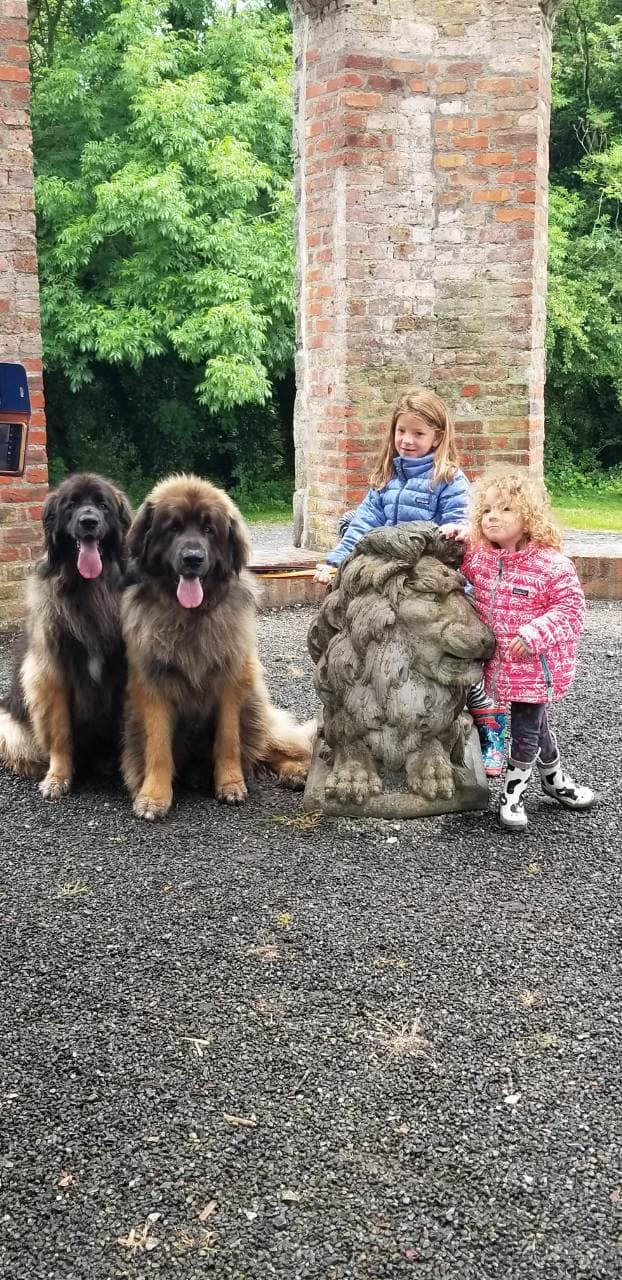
458, 531
323, 573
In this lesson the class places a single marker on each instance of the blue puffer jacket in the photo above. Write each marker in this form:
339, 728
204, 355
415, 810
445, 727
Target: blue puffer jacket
407, 496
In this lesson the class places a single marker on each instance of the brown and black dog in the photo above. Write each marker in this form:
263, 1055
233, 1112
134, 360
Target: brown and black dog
196, 697
66, 697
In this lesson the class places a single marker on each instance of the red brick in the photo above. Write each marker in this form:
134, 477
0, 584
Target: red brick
445, 87
493, 158
14, 30
495, 195
17, 53
452, 124
497, 86
406, 66
363, 100
471, 141
13, 73
514, 215
363, 61
449, 160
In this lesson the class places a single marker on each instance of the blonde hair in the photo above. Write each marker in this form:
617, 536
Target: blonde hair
434, 411
526, 494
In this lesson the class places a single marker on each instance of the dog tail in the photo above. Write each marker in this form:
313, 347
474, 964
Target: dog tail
287, 735
18, 749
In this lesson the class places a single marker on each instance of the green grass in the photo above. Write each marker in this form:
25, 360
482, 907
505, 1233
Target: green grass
271, 513
589, 511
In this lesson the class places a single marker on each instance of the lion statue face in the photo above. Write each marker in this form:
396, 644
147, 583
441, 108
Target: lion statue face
447, 642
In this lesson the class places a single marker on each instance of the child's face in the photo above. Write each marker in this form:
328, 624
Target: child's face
414, 437
502, 522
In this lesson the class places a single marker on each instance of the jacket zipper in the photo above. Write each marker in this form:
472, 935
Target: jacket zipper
490, 612
548, 679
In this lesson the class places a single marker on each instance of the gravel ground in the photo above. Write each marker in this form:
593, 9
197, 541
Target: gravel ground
350, 1049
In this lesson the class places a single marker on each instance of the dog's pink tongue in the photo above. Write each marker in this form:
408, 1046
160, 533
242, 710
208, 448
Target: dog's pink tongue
189, 592
89, 560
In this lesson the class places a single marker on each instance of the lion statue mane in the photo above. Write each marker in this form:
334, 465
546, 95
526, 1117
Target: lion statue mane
396, 645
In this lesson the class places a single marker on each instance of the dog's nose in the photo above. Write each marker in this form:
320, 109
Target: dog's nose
88, 522
192, 559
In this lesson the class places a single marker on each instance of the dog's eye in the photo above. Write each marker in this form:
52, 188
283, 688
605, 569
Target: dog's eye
173, 526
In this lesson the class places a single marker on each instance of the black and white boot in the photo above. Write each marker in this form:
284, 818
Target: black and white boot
561, 787
512, 808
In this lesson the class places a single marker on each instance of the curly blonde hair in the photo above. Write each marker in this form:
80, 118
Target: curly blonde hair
526, 494
434, 411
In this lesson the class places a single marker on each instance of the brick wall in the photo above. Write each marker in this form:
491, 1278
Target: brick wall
421, 168
20, 337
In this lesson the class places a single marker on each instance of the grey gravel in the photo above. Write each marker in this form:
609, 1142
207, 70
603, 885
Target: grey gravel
413, 1028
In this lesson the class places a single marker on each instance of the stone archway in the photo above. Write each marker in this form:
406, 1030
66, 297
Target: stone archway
421, 174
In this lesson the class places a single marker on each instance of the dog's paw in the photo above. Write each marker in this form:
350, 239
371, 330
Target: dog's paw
152, 807
233, 791
54, 786
293, 775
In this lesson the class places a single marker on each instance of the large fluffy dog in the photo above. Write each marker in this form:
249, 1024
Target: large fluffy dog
196, 695
66, 697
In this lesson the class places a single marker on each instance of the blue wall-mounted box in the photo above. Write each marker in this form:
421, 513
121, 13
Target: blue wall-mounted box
14, 418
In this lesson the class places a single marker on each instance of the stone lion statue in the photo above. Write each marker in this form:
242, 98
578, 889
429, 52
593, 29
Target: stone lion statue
396, 645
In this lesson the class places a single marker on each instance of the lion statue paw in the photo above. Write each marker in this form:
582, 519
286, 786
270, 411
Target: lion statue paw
351, 781
431, 774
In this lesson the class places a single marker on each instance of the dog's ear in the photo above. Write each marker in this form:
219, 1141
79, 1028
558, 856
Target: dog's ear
51, 529
238, 545
124, 511
139, 534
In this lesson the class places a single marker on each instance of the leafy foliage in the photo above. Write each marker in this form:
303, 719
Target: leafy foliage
165, 214
584, 341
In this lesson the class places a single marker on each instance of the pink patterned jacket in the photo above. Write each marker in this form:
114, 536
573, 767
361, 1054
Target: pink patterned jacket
533, 593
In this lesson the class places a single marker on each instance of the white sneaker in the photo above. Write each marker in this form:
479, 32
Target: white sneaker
561, 787
512, 808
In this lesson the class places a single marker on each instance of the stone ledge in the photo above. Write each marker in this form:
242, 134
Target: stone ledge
600, 576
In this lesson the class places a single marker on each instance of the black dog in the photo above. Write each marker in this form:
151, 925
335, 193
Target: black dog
65, 701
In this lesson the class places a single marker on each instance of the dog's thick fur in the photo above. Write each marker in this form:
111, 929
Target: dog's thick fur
196, 696
65, 701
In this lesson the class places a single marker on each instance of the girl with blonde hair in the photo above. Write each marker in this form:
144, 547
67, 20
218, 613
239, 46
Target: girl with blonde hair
528, 592
416, 476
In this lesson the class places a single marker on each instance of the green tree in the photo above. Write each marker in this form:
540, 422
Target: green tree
165, 216
584, 388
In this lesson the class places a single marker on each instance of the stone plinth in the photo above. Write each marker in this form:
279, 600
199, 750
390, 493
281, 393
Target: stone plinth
473, 794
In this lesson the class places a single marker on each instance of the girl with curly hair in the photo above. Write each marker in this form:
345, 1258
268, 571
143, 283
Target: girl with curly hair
529, 594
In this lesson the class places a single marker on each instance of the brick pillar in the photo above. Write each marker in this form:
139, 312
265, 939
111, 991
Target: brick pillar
20, 335
421, 169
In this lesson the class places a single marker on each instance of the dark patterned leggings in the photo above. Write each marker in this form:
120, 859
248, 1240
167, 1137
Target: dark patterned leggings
531, 735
